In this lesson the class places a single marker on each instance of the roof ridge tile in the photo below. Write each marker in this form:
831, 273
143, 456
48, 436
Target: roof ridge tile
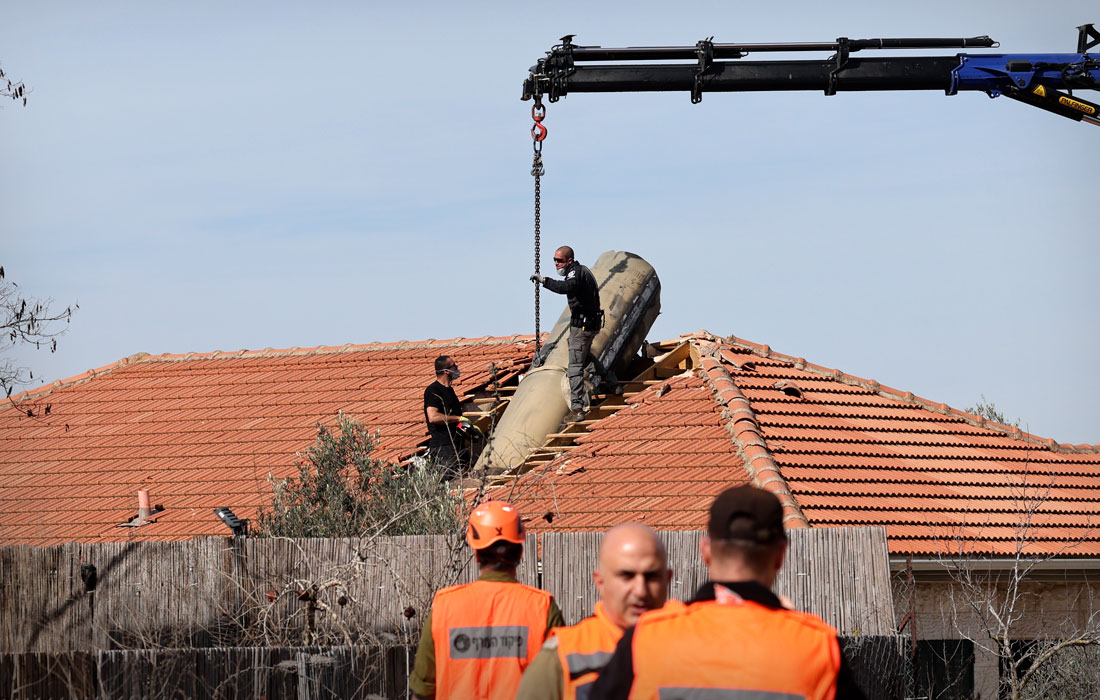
746, 436
47, 389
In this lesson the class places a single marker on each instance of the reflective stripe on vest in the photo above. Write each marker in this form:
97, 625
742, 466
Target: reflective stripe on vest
485, 633
736, 651
580, 664
584, 649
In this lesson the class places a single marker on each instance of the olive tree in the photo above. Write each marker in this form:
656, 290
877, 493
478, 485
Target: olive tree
343, 490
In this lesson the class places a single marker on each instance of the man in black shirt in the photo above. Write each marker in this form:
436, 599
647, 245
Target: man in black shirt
443, 414
586, 319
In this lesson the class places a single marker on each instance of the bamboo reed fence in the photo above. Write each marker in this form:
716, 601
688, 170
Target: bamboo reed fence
280, 617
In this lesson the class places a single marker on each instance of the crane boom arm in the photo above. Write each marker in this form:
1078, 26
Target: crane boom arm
1035, 79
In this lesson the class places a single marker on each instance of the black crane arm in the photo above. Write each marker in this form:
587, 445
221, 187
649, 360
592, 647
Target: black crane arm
1035, 79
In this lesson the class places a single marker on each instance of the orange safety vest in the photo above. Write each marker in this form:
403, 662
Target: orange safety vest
586, 647
485, 633
734, 649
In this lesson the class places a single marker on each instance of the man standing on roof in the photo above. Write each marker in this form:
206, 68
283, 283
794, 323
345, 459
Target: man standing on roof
480, 636
585, 321
734, 639
447, 447
632, 578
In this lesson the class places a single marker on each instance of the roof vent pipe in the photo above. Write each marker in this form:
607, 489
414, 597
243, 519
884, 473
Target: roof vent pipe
144, 511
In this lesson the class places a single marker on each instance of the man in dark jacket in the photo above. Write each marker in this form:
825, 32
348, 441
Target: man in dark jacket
586, 318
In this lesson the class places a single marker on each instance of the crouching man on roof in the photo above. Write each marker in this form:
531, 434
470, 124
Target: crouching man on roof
450, 431
632, 578
480, 636
734, 639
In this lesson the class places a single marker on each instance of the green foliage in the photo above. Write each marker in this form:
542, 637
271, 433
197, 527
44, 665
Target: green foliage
989, 411
342, 490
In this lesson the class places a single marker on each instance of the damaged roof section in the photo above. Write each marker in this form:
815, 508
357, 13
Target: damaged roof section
660, 460
838, 450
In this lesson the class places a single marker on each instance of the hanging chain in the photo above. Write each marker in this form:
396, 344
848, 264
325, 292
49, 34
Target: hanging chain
538, 134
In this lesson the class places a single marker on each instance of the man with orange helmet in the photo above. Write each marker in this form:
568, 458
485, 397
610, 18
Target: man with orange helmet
480, 636
632, 577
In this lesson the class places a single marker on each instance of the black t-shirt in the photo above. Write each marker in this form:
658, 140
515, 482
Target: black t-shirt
443, 399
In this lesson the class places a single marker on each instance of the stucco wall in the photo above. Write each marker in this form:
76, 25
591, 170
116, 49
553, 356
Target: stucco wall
1042, 609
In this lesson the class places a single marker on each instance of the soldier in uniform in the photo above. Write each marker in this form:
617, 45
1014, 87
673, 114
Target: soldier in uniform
480, 636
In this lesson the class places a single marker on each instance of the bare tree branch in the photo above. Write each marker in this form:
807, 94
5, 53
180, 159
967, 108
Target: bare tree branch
988, 606
16, 91
27, 320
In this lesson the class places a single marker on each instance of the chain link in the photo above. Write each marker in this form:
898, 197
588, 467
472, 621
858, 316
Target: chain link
538, 133
536, 170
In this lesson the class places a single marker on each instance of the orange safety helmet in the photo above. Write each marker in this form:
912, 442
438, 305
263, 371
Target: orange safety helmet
493, 521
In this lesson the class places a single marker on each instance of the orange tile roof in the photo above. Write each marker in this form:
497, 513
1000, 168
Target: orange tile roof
201, 431
838, 450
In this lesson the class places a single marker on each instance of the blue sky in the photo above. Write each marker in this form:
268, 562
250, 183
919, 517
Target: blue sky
211, 176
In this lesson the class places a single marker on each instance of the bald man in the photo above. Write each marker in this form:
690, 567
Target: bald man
632, 577
585, 320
